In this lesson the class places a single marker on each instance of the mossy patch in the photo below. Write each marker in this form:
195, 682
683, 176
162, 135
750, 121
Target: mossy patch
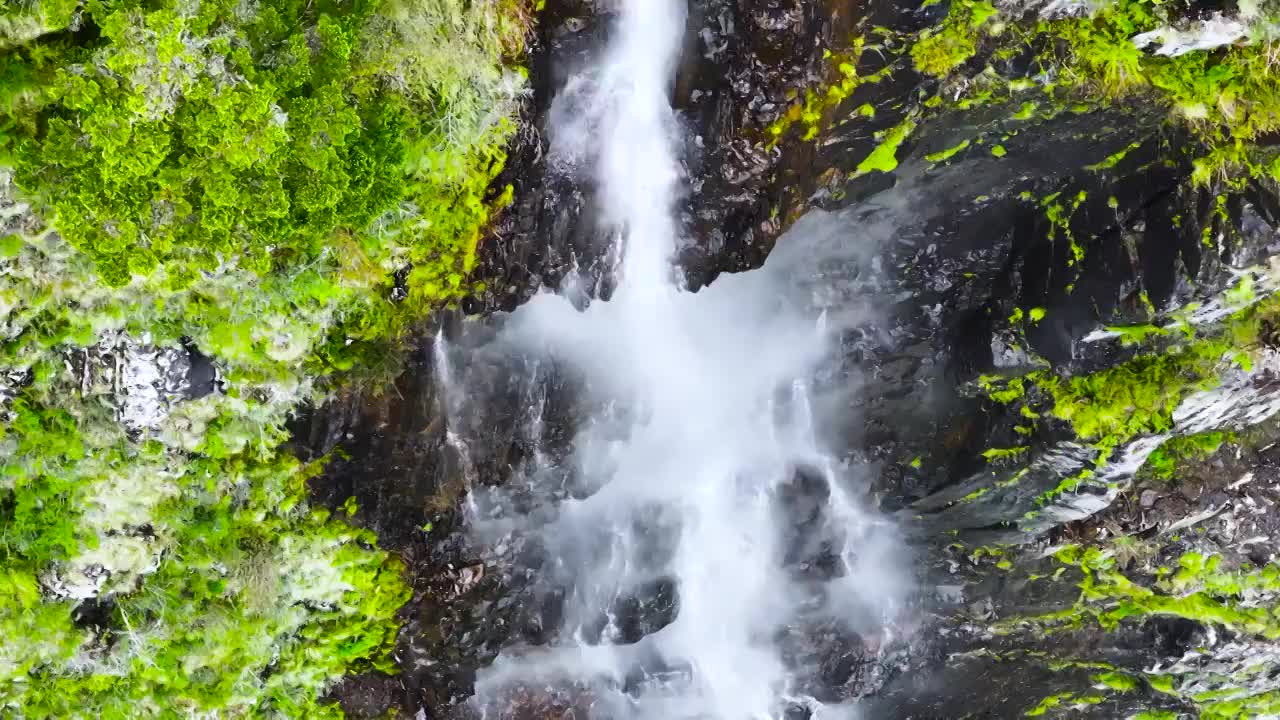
818, 103
884, 158
948, 46
1162, 464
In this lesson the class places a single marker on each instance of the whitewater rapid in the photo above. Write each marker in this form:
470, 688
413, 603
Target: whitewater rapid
702, 522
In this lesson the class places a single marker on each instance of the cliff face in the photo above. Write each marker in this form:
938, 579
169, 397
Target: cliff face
1064, 396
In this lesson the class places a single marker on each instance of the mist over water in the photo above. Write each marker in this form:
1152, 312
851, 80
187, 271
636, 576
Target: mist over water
701, 526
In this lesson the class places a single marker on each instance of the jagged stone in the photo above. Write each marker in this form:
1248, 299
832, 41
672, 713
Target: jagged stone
954, 273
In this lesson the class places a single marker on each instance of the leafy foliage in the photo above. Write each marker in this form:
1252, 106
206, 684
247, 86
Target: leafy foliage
261, 604
197, 140
287, 187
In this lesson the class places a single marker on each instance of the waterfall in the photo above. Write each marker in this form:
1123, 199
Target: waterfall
704, 527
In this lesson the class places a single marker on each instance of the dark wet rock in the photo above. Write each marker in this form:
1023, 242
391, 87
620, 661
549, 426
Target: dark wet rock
934, 260
744, 63
368, 696
643, 611
539, 703
1210, 509
833, 663
202, 375
1170, 637
391, 450
810, 538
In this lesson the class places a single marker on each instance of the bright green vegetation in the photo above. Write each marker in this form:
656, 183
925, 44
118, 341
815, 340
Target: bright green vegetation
1051, 702
190, 142
1155, 715
944, 155
948, 46
1135, 398
1111, 407
1225, 100
1136, 334
1163, 462
885, 156
1058, 212
817, 104
238, 599
1117, 681
999, 454
1199, 588
288, 187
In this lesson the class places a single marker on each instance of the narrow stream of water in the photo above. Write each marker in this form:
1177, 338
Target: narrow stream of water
704, 536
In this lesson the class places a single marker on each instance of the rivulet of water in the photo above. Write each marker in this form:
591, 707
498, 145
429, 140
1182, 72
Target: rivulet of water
706, 527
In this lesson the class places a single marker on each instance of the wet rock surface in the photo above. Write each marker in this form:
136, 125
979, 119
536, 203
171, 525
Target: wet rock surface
959, 273
744, 64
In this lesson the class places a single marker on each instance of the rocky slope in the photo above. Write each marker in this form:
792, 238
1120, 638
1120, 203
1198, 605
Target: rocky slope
1064, 396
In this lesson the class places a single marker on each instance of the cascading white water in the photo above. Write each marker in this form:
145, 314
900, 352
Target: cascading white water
679, 544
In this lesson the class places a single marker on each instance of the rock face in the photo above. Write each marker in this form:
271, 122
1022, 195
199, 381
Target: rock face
744, 64
1022, 265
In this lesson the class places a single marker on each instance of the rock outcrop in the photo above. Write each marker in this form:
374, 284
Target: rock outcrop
1064, 395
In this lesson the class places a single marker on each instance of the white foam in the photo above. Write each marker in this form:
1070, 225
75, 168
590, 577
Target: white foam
704, 420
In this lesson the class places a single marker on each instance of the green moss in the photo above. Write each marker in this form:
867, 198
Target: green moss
1049, 703
1072, 483
1027, 111
885, 156
1114, 159
941, 50
1199, 591
1135, 398
1007, 482
10, 246
1001, 454
1242, 293
1059, 215
944, 155
1258, 705
1163, 462
1003, 390
1135, 334
818, 103
1227, 99
1118, 681
1112, 407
